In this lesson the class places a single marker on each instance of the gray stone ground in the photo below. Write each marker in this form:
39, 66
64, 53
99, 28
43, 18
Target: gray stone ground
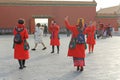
103, 64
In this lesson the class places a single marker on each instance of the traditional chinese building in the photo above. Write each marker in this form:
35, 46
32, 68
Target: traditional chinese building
31, 10
109, 15
12, 10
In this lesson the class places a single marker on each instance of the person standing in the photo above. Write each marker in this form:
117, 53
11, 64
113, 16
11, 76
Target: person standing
19, 52
45, 29
68, 32
91, 38
110, 30
38, 35
100, 30
76, 50
54, 38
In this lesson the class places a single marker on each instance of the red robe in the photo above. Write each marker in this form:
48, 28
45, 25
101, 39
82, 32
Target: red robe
90, 31
19, 52
79, 50
54, 39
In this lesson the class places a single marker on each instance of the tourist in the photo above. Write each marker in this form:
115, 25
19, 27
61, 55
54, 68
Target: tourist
45, 29
38, 36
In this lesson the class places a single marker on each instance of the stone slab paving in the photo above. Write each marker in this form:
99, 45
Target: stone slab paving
103, 64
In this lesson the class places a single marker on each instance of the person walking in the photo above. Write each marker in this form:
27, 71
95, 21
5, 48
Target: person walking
54, 38
76, 48
38, 35
91, 38
20, 34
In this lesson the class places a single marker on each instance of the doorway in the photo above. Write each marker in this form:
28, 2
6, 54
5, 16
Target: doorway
42, 21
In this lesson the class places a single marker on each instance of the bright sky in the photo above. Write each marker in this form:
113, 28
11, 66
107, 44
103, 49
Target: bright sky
106, 3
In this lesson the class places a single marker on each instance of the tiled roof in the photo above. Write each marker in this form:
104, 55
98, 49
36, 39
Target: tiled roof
110, 10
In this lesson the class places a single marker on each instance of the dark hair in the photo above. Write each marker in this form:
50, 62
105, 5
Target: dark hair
20, 21
38, 24
54, 21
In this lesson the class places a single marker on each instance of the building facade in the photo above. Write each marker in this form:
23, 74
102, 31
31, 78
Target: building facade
11, 11
109, 15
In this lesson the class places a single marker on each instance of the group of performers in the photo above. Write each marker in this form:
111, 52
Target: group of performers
78, 52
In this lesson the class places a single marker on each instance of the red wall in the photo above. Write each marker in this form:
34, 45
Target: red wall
88, 13
10, 14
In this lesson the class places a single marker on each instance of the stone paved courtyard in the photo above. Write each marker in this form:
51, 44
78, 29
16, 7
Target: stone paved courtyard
103, 64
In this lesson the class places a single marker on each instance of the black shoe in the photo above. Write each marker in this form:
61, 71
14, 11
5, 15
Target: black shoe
44, 48
33, 49
81, 69
78, 68
20, 67
24, 66
52, 52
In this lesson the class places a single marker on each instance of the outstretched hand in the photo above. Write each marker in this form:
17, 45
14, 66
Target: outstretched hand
66, 18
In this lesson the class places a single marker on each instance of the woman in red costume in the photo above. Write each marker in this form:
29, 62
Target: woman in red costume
91, 39
19, 53
54, 38
78, 52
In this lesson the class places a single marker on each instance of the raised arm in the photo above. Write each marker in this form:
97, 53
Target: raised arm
67, 25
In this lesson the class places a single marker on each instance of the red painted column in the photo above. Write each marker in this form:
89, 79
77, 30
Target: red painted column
32, 25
